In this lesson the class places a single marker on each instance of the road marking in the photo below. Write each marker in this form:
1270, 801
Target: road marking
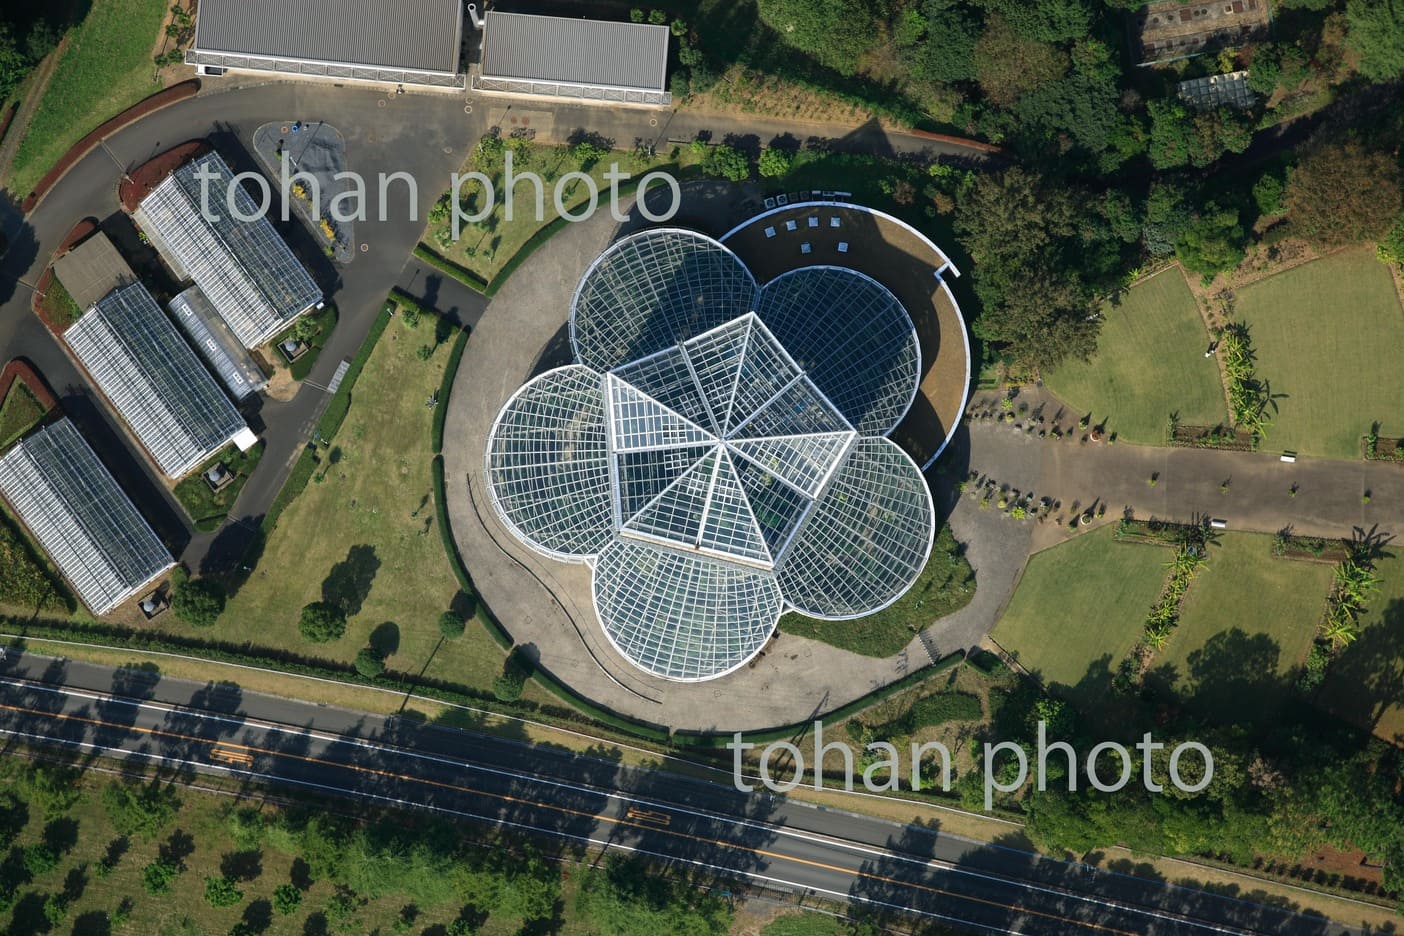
605, 819
649, 815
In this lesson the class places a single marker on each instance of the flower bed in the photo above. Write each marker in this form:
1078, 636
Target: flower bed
1216, 437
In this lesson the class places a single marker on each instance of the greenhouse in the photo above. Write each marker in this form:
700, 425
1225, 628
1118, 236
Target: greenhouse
244, 268
154, 380
81, 517
713, 474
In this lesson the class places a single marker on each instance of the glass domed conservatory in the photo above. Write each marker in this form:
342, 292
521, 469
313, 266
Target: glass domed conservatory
718, 454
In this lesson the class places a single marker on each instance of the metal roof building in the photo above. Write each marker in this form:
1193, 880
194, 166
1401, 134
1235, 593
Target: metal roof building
236, 369
578, 59
81, 517
713, 469
245, 269
156, 383
92, 270
412, 42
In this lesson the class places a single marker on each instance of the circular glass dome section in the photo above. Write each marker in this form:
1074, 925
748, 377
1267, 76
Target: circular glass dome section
713, 481
653, 290
851, 336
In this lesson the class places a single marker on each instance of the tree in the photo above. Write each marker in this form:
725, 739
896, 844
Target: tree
197, 601
369, 662
322, 621
286, 898
1179, 137
1213, 243
939, 45
508, 686
1009, 65
140, 811
1029, 262
835, 33
222, 892
14, 64
727, 162
1375, 31
774, 162
1044, 20
1342, 193
1268, 195
450, 625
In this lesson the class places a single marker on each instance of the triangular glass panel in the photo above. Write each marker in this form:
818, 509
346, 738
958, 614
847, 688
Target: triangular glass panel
716, 360
642, 476
641, 422
676, 514
799, 410
765, 371
777, 507
666, 377
801, 461
729, 526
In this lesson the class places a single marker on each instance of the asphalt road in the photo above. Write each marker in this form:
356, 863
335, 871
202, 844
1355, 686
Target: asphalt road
95, 711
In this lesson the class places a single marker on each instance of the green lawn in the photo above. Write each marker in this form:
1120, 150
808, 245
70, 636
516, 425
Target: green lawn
209, 508
1149, 363
1365, 684
361, 533
806, 923
106, 68
1080, 608
20, 411
1330, 339
945, 586
1247, 621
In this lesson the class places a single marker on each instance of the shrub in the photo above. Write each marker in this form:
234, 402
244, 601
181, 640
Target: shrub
369, 662
321, 622
156, 877
39, 860
55, 909
286, 898
222, 892
140, 811
197, 601
774, 162
451, 625
727, 162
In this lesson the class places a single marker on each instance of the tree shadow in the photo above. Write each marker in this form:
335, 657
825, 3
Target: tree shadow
242, 865
258, 916
1366, 680
386, 638
349, 583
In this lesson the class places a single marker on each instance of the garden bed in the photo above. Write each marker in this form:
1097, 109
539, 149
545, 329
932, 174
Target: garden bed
1374, 448
1215, 437
142, 180
208, 508
314, 329
1310, 548
1153, 532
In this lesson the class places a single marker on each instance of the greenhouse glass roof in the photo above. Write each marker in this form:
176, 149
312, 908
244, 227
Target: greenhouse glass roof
245, 269
713, 477
155, 381
85, 522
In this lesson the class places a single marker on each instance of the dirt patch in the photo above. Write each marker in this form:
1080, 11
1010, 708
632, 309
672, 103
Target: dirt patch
41, 301
7, 120
141, 180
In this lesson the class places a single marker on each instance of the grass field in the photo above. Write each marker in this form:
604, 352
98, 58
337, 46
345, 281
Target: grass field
1330, 339
20, 411
1247, 621
105, 69
1149, 363
209, 508
362, 534
1365, 684
945, 586
1080, 607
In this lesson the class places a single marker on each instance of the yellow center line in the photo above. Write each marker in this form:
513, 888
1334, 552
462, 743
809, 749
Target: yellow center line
597, 817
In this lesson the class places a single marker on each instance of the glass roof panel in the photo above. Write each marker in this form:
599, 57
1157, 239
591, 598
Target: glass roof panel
803, 462
716, 360
777, 507
676, 514
641, 422
667, 378
800, 409
765, 371
644, 475
729, 526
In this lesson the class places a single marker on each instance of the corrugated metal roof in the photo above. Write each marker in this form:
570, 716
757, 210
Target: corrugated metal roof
577, 51
92, 270
419, 34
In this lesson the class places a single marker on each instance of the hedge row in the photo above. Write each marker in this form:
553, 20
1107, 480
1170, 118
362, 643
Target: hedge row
444, 265
460, 344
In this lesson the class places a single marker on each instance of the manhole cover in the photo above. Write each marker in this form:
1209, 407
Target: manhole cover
467, 108
365, 247
653, 121
380, 103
